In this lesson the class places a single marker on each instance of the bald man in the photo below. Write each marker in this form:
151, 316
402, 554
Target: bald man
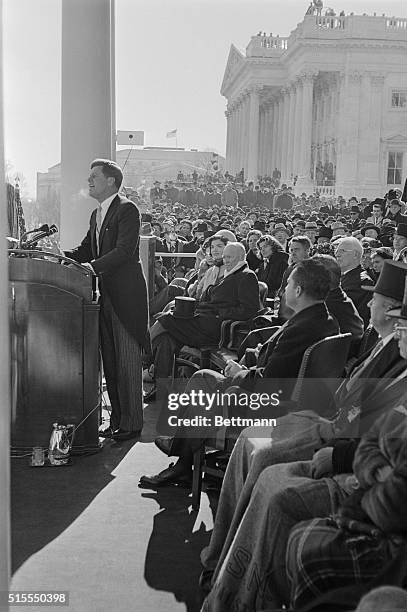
349, 253
236, 297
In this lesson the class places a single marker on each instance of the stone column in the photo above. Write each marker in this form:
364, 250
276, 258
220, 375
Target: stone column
285, 101
5, 410
291, 143
304, 164
234, 137
289, 121
348, 134
297, 129
269, 137
239, 127
87, 107
262, 118
370, 174
228, 139
275, 155
243, 132
253, 136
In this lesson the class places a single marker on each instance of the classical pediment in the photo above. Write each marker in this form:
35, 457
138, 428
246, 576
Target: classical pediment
395, 139
235, 61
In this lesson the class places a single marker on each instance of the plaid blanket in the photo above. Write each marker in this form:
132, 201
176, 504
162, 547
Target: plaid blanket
321, 556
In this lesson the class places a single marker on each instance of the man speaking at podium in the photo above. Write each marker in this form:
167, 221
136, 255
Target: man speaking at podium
111, 250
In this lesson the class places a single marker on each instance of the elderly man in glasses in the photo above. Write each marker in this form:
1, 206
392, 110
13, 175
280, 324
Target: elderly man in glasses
349, 253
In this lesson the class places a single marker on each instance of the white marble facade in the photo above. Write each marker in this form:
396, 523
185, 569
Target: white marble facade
327, 105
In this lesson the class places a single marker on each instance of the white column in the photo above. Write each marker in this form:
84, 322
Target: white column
348, 132
268, 138
87, 106
284, 133
234, 138
5, 409
239, 136
293, 105
276, 162
261, 148
227, 161
253, 136
297, 129
273, 136
243, 143
288, 135
370, 179
304, 165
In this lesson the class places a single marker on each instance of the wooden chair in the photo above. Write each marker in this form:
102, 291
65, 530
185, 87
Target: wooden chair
322, 366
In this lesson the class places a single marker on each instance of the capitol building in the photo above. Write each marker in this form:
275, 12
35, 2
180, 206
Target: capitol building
326, 106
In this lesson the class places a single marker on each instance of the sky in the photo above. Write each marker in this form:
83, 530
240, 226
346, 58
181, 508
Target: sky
170, 60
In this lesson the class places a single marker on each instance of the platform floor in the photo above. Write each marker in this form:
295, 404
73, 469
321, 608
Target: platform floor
90, 530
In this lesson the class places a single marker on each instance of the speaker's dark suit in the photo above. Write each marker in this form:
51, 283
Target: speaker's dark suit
124, 310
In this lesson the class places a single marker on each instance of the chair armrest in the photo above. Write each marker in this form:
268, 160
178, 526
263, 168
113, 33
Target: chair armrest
234, 327
224, 329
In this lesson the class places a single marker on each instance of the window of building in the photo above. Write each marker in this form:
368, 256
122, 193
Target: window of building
399, 99
395, 168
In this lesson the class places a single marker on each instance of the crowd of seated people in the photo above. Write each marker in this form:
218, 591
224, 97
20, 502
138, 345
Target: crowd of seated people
314, 504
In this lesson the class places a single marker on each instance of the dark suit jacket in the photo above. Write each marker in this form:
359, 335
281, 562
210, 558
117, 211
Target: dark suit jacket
273, 273
281, 356
372, 396
118, 264
235, 297
343, 309
351, 283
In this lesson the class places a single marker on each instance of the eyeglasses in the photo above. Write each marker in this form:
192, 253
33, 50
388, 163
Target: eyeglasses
398, 329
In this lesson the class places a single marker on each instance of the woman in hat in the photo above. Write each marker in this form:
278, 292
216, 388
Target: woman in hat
273, 265
282, 234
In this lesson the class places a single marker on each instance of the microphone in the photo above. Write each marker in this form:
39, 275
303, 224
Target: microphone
43, 232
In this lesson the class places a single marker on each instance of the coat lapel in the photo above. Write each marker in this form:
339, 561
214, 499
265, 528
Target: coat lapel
106, 220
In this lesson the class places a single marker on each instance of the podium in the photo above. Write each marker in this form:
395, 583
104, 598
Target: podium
54, 328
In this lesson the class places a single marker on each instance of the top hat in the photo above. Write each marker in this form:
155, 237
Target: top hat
391, 280
354, 209
401, 230
184, 307
400, 313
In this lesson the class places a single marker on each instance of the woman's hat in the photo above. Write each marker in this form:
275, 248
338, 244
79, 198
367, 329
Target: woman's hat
400, 313
369, 226
280, 227
391, 281
184, 307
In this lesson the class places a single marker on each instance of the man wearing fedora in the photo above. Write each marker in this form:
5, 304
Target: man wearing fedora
349, 252
400, 243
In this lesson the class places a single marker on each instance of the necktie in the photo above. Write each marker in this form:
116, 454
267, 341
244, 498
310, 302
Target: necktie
98, 225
